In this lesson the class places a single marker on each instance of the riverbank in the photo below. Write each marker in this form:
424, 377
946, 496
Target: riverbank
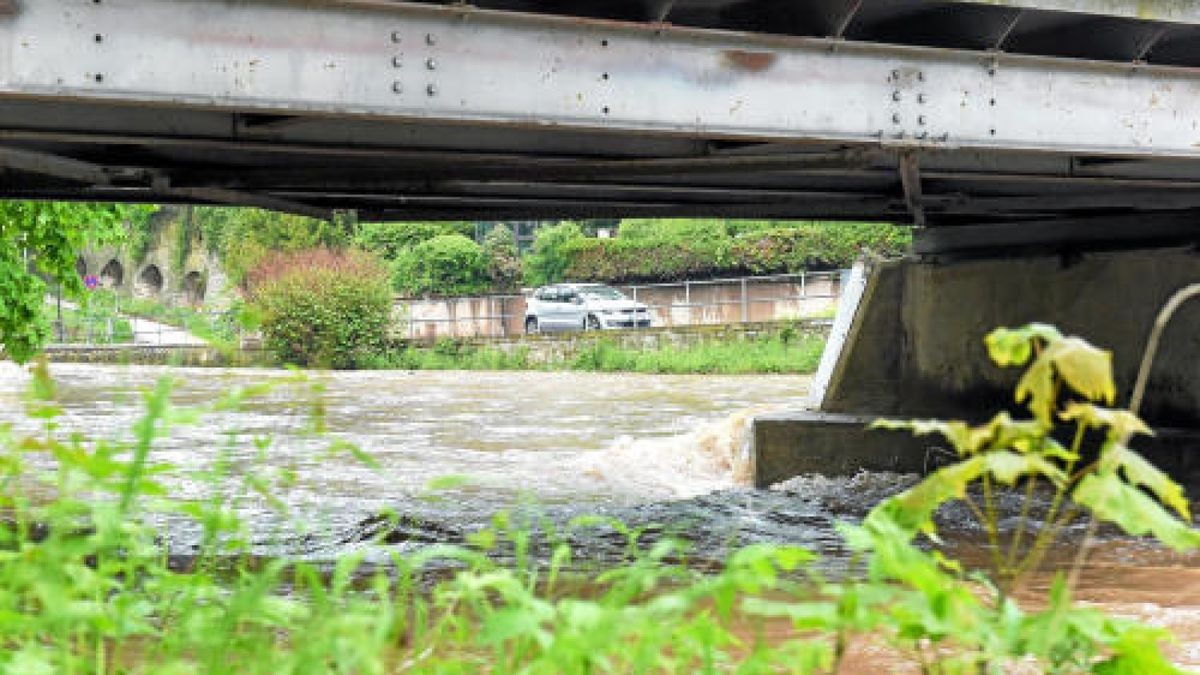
784, 347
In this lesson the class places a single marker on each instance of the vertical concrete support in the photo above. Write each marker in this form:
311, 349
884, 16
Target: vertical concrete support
913, 347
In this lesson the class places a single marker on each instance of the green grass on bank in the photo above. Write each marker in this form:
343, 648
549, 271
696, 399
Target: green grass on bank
782, 353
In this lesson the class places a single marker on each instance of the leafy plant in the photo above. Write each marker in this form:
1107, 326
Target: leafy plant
320, 307
1068, 389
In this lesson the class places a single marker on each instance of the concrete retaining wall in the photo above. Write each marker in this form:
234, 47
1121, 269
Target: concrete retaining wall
748, 300
153, 355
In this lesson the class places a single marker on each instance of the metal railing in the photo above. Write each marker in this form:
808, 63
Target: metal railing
774, 297
84, 330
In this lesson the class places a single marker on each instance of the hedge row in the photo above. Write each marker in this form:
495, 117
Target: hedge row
792, 249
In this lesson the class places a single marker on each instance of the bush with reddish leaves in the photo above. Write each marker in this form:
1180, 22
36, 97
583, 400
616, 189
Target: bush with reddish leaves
322, 308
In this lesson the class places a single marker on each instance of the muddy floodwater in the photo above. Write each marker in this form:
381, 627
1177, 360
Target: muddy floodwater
665, 452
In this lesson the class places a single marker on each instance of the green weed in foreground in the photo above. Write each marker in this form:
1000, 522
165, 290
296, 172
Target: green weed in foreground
85, 585
785, 353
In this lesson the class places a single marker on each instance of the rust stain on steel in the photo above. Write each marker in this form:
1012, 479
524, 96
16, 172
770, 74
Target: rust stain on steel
753, 62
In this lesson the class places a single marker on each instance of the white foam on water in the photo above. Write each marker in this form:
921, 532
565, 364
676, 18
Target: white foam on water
713, 456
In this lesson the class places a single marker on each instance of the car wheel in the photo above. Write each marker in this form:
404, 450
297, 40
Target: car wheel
531, 326
591, 323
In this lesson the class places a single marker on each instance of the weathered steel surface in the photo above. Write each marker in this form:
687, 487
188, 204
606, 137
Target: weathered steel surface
407, 62
420, 110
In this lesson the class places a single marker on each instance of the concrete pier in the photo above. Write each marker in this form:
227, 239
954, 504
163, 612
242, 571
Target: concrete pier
913, 347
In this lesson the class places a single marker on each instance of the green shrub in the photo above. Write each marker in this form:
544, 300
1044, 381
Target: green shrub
548, 262
390, 240
503, 261
448, 264
321, 307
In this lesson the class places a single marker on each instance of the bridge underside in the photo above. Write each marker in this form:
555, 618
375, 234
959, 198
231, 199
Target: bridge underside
982, 120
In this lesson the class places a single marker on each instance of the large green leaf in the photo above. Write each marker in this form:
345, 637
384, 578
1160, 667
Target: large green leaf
1037, 387
1084, 368
1120, 423
1013, 346
1111, 499
1001, 432
1138, 471
913, 509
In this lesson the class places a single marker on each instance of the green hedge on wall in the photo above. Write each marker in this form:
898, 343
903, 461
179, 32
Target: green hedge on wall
668, 251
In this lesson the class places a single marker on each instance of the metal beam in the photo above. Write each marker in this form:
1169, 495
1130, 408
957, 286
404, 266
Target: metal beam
1130, 200
239, 198
1127, 230
910, 180
364, 58
57, 166
846, 17
1175, 11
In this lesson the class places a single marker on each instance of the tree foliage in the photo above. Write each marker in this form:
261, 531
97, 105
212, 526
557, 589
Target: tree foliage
39, 243
244, 236
503, 260
448, 264
390, 240
548, 261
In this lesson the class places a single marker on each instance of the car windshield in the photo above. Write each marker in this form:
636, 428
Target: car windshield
602, 293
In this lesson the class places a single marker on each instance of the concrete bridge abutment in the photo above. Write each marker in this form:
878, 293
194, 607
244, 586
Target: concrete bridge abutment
908, 343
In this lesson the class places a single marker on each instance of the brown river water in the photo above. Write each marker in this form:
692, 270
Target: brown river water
664, 452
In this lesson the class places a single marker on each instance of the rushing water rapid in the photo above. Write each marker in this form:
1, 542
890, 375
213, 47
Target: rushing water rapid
666, 453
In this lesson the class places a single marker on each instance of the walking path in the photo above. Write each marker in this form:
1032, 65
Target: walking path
148, 332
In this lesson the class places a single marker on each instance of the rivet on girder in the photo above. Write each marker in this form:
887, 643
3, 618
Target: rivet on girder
920, 98
398, 87
896, 118
430, 39
396, 37
896, 95
431, 64
98, 38
397, 61
431, 90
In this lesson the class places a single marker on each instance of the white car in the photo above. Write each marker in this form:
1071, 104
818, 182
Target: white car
582, 307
